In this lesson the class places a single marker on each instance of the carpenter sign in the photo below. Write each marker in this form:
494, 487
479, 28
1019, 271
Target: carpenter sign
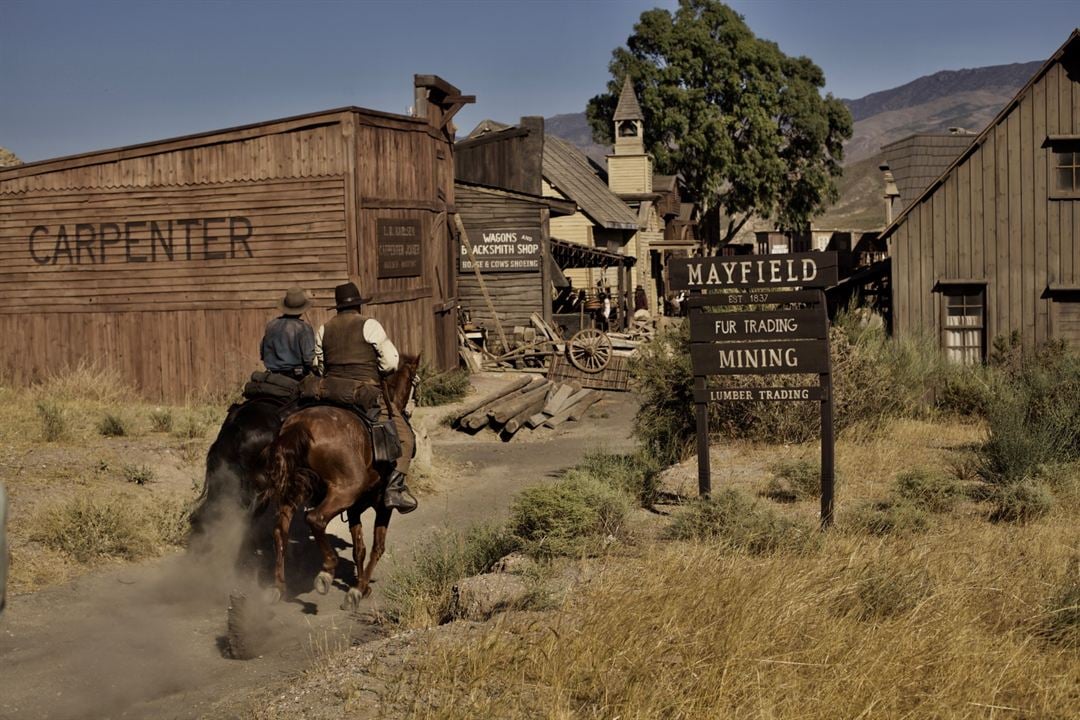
399, 248
503, 251
139, 241
806, 270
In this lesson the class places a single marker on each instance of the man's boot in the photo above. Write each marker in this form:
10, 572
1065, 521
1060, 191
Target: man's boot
397, 495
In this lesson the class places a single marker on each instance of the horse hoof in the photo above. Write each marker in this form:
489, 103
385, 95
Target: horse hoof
352, 600
322, 582
272, 595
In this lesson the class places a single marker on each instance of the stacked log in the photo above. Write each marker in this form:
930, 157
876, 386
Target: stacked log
526, 403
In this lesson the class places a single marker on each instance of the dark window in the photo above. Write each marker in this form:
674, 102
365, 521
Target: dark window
963, 332
1066, 168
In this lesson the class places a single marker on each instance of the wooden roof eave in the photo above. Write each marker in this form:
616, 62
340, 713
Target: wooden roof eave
979, 139
205, 139
558, 207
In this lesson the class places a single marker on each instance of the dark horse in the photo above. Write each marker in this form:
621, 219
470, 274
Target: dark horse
324, 454
235, 470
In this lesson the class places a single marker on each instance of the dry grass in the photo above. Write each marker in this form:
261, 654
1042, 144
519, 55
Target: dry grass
948, 626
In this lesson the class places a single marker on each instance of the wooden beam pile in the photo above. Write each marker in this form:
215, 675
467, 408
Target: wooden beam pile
527, 402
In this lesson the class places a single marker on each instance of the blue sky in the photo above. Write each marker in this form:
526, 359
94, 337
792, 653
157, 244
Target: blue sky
81, 76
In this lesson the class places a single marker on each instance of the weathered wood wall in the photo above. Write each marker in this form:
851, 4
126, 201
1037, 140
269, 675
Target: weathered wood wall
511, 159
515, 295
88, 275
994, 220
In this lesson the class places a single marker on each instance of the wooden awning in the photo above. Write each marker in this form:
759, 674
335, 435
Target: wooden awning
570, 255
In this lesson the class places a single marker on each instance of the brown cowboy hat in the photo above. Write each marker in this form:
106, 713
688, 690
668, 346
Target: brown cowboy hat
295, 302
348, 296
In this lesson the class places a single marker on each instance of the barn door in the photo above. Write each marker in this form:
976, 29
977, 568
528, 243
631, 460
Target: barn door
445, 307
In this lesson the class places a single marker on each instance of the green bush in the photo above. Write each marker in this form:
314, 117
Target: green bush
571, 516
927, 490
112, 426
889, 517
736, 521
419, 593
794, 480
636, 474
138, 474
91, 527
884, 589
440, 388
1021, 502
54, 425
161, 420
664, 423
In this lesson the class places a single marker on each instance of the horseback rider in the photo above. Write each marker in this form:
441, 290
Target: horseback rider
288, 345
354, 346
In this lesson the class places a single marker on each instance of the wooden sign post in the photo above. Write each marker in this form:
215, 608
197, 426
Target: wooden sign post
760, 324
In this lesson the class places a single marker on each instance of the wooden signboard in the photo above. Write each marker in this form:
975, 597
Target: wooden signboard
503, 251
789, 337
400, 245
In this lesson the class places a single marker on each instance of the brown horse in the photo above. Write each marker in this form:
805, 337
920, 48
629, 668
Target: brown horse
324, 454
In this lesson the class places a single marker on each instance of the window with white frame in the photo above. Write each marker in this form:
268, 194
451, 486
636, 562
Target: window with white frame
963, 331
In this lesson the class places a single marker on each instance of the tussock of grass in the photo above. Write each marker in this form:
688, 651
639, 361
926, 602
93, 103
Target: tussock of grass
692, 631
419, 594
87, 382
1060, 620
54, 425
794, 480
636, 474
138, 474
90, 528
572, 516
928, 490
1021, 502
161, 420
738, 522
112, 426
440, 388
888, 517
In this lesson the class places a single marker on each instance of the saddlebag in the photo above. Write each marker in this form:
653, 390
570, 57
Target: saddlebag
267, 384
340, 391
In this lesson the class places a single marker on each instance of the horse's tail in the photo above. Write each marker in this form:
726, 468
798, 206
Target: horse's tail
288, 479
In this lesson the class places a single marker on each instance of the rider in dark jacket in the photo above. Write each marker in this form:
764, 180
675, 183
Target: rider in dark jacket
288, 345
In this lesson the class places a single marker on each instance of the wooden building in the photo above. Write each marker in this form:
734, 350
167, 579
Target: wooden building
165, 260
992, 245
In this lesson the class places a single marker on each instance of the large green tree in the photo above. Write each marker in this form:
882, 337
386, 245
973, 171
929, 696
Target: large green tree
745, 125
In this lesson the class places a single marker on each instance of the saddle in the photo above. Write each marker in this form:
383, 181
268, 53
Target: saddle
361, 399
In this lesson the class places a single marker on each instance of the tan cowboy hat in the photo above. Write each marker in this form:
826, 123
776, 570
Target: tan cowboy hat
295, 302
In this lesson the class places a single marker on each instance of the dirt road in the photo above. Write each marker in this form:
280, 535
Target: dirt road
146, 640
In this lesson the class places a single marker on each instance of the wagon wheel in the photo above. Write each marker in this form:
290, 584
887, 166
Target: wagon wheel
589, 350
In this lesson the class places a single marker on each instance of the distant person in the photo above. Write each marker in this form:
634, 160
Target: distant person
641, 301
288, 345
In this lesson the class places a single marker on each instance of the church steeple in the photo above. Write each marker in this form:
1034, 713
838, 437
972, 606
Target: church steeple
629, 122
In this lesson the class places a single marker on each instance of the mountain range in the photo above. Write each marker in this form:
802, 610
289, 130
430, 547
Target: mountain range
967, 99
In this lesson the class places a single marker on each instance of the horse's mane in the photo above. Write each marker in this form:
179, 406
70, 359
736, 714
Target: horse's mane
399, 383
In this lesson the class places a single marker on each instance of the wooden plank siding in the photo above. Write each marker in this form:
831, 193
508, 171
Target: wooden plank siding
991, 218
515, 295
311, 190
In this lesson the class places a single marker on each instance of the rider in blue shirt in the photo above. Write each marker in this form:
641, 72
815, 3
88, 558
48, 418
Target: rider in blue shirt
288, 345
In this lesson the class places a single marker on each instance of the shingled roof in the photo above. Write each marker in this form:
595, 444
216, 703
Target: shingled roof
628, 108
918, 160
568, 170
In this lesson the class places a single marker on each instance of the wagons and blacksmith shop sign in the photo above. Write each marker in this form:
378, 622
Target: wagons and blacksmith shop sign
165, 260
731, 333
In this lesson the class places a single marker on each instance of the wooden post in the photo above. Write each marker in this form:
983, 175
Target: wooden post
480, 280
828, 441
701, 415
545, 264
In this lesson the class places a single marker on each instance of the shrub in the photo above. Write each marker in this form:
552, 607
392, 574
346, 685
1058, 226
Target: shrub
54, 425
161, 420
1021, 502
967, 390
191, 429
637, 474
664, 422
889, 517
738, 522
112, 426
1060, 620
138, 474
928, 490
794, 480
91, 527
437, 388
419, 594
574, 515
884, 589
170, 521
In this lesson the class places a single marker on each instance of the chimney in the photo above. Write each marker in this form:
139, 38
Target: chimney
891, 192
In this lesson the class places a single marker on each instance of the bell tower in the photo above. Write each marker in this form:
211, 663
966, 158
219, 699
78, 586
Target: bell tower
629, 167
